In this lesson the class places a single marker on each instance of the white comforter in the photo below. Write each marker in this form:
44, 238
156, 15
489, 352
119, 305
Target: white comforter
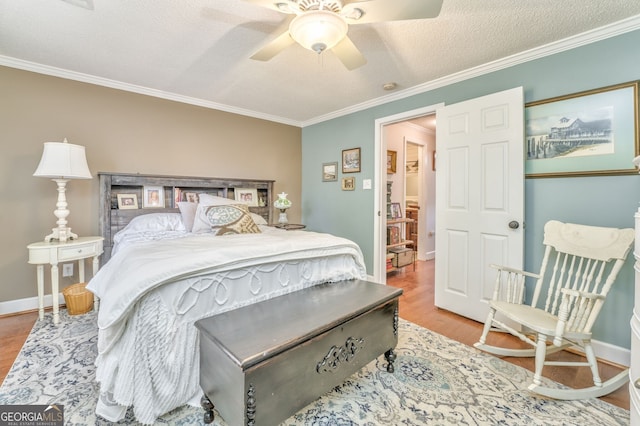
151, 293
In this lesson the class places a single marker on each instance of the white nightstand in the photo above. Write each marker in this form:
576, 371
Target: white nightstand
55, 252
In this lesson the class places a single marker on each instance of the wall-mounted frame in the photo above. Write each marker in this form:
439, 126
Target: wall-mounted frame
396, 211
348, 184
127, 201
583, 134
152, 197
248, 196
351, 160
330, 172
391, 161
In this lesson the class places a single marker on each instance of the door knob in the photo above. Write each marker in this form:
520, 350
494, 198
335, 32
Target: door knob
514, 224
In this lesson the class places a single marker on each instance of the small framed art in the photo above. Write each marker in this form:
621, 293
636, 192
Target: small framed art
248, 196
191, 197
330, 172
391, 161
348, 184
396, 211
351, 160
127, 201
152, 197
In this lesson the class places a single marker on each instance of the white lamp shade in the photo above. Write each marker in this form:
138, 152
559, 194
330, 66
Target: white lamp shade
318, 30
63, 160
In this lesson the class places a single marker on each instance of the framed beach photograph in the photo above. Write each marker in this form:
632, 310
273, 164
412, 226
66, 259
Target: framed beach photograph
396, 211
583, 134
391, 161
348, 184
248, 196
351, 160
330, 172
127, 201
152, 197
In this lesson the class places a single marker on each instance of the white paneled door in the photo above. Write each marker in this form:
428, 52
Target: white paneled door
479, 198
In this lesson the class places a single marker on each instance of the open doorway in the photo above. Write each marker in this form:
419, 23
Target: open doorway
410, 137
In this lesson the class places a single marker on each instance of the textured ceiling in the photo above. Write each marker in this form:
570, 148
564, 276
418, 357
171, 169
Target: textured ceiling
198, 51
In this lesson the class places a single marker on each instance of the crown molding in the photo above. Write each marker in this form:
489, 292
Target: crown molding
602, 33
592, 36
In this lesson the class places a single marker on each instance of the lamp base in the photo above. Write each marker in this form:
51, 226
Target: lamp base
60, 234
282, 219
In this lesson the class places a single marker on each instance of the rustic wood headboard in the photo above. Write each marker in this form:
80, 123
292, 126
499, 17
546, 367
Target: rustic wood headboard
173, 188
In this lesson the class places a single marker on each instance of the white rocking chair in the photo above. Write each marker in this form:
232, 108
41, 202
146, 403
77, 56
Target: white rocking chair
584, 262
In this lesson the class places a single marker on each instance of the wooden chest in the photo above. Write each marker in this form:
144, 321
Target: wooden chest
262, 363
403, 256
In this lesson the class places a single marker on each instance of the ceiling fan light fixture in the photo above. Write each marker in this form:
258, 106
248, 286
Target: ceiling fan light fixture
318, 30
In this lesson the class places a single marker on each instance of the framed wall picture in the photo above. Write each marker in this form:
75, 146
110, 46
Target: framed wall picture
127, 201
330, 172
588, 133
348, 184
396, 211
351, 160
152, 197
391, 161
248, 196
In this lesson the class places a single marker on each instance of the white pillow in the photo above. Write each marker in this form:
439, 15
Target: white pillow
188, 212
259, 220
212, 200
156, 222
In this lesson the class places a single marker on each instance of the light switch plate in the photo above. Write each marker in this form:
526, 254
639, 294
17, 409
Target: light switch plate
366, 183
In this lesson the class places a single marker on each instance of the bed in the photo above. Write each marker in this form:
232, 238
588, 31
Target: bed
166, 267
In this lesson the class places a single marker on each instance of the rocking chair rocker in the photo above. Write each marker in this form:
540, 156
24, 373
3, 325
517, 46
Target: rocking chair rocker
584, 263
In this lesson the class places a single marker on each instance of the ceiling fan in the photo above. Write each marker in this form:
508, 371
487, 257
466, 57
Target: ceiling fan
320, 25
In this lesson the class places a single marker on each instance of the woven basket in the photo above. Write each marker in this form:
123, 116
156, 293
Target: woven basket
79, 300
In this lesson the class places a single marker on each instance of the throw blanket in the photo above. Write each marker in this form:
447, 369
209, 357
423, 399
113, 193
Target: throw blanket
151, 292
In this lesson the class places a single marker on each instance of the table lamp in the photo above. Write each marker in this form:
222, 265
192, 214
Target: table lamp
282, 204
62, 161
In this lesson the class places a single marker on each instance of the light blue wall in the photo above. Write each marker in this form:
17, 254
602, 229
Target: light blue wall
610, 201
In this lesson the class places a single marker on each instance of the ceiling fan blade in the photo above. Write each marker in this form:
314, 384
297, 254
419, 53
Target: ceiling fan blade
349, 54
391, 10
274, 47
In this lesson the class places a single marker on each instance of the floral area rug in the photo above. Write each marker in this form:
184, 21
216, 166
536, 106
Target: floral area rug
437, 381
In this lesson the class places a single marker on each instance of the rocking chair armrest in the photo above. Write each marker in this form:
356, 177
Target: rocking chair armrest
514, 271
581, 294
510, 284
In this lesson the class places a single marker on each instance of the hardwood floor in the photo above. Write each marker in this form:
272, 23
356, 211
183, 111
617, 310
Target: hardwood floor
416, 305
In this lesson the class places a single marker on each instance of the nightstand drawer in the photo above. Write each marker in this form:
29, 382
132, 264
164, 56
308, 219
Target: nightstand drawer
79, 251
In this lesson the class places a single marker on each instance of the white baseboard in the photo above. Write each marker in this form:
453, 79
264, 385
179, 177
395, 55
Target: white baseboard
610, 353
27, 304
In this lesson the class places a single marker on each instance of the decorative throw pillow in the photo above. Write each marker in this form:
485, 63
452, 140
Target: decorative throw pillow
224, 220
